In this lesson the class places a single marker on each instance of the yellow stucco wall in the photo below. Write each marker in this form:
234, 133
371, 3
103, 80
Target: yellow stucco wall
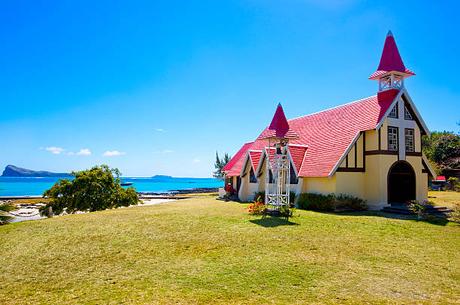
322, 185
350, 183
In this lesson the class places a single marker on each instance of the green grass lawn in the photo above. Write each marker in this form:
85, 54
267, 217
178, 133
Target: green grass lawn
202, 250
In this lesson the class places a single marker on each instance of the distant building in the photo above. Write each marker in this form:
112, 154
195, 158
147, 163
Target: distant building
369, 148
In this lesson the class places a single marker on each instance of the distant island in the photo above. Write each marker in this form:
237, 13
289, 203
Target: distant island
162, 177
14, 171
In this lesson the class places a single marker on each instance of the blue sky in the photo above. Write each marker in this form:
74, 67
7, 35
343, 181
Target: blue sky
156, 87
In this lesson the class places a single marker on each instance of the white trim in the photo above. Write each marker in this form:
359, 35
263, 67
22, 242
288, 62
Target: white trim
419, 117
409, 99
347, 151
262, 157
292, 162
428, 164
395, 100
245, 164
298, 145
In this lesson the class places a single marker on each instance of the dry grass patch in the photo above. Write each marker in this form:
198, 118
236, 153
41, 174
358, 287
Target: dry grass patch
445, 198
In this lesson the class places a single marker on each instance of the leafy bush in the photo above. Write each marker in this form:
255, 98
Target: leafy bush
4, 209
92, 190
316, 202
258, 207
348, 202
259, 196
418, 209
454, 216
453, 184
330, 202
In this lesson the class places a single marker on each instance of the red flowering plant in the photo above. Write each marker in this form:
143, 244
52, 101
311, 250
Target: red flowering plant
257, 208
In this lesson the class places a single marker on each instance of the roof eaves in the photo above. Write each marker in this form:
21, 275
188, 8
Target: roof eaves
396, 98
422, 122
336, 166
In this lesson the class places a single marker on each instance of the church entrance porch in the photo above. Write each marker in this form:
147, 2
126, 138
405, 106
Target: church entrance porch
401, 183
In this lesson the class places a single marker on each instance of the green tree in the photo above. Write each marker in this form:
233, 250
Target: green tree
443, 148
91, 190
4, 216
219, 165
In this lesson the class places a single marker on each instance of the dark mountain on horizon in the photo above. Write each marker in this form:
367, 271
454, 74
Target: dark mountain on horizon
162, 177
14, 171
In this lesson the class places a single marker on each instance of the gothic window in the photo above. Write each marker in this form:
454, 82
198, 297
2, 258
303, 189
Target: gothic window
407, 115
252, 176
270, 176
409, 135
293, 179
392, 138
394, 112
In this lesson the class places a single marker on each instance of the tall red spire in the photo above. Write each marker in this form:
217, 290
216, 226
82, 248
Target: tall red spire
279, 127
390, 60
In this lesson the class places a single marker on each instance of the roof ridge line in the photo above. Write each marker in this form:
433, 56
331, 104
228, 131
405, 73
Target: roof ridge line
332, 108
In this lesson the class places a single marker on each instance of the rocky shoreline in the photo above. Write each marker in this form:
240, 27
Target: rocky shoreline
182, 192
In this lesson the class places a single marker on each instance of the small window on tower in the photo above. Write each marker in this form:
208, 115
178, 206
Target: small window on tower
394, 112
392, 138
407, 115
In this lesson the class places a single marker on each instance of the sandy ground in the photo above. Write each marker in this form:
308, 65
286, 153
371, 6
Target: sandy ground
31, 213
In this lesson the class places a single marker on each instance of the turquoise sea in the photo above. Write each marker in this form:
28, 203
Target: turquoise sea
21, 186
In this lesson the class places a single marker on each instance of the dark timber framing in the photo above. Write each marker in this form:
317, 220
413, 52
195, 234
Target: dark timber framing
355, 168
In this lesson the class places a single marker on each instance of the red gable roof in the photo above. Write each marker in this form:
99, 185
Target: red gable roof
327, 134
279, 127
233, 167
254, 156
297, 154
391, 59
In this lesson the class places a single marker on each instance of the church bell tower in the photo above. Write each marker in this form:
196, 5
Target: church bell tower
391, 71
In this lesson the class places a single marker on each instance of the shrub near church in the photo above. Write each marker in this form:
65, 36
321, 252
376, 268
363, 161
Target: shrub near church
92, 190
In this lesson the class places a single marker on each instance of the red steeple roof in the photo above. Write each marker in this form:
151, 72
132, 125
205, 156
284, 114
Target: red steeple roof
279, 127
390, 60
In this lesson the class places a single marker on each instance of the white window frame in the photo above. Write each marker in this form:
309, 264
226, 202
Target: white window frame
393, 136
407, 114
409, 135
394, 112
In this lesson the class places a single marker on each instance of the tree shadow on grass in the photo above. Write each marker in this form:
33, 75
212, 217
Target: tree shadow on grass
439, 221
271, 222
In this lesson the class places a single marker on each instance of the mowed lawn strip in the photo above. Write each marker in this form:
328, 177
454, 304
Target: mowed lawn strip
202, 250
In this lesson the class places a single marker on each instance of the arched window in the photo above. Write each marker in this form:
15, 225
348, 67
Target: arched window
252, 176
294, 179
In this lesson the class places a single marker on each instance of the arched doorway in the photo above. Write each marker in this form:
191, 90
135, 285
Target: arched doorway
401, 183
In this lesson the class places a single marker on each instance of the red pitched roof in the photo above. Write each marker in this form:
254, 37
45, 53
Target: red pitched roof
391, 59
327, 134
279, 127
254, 156
297, 154
233, 167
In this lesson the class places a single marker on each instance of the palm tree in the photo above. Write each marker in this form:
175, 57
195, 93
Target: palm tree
219, 165
4, 215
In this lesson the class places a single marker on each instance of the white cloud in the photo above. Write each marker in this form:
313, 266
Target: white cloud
159, 130
84, 152
113, 153
196, 160
54, 150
